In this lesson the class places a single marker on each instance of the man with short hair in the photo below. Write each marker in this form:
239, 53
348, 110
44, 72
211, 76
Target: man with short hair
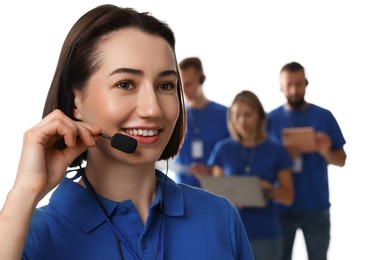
310, 210
206, 124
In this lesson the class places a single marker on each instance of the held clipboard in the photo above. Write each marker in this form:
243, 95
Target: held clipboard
300, 137
240, 190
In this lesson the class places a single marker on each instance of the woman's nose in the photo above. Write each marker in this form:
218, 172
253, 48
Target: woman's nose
148, 103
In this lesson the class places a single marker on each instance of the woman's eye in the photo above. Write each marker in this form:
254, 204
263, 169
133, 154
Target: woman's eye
167, 86
126, 85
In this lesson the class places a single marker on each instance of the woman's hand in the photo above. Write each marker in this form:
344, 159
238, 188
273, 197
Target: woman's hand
41, 165
40, 169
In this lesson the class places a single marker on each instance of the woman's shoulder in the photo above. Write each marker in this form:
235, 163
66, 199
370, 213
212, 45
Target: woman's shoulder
197, 197
68, 202
184, 200
271, 142
228, 143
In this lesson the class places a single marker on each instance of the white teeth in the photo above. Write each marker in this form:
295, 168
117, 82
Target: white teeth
142, 132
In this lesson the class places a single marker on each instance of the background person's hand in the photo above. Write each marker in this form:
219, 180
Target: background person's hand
199, 169
323, 142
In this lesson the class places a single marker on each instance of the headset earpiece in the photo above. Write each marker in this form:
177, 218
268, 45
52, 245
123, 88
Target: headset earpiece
202, 79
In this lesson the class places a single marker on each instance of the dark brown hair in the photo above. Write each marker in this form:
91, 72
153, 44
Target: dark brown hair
294, 67
193, 62
79, 60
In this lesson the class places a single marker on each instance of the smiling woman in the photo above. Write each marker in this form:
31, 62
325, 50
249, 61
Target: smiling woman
116, 75
242, 45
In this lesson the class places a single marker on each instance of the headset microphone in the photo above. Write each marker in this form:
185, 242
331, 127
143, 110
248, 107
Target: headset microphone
122, 142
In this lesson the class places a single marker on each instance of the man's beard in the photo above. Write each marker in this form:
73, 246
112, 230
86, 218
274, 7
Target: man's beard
297, 104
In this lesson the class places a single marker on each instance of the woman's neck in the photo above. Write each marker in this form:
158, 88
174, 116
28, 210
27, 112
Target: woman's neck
252, 140
137, 184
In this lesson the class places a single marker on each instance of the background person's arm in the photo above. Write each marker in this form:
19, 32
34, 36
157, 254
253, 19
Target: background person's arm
335, 157
284, 192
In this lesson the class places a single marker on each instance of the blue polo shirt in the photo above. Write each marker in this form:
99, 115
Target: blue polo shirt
268, 159
311, 184
207, 125
197, 225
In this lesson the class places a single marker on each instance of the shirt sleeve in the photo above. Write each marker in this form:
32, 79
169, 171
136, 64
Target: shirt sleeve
216, 155
240, 240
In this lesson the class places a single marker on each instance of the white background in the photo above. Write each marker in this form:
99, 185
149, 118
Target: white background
242, 47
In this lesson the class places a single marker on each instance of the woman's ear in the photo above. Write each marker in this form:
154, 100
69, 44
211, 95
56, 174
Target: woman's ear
77, 104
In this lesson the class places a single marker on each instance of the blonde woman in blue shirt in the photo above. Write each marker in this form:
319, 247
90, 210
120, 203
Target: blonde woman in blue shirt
116, 76
250, 152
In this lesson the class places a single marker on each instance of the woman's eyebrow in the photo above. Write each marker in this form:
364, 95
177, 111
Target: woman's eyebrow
126, 70
139, 72
168, 73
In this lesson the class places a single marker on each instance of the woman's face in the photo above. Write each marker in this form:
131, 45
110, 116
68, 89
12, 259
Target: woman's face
134, 92
244, 119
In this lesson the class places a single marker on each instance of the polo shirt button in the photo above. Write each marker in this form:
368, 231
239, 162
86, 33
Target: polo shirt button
144, 245
124, 211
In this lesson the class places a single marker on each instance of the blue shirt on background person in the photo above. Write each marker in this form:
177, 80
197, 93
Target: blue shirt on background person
269, 158
311, 182
310, 211
250, 152
206, 125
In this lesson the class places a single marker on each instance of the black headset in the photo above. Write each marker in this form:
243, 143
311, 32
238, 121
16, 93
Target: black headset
202, 78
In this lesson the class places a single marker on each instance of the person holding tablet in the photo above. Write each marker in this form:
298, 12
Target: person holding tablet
310, 210
249, 152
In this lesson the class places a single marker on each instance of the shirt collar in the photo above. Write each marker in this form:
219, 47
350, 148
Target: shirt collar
79, 206
173, 197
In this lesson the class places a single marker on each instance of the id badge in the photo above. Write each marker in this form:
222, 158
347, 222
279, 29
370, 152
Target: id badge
197, 149
297, 165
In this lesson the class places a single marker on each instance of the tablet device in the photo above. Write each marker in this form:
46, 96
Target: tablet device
244, 191
300, 137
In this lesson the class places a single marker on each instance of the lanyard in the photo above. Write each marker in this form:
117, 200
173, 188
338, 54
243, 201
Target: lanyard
118, 236
249, 158
196, 122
